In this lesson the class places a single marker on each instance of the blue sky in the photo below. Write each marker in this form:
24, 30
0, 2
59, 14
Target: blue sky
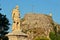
26, 6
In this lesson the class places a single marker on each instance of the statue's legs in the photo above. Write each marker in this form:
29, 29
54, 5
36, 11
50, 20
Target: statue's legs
16, 24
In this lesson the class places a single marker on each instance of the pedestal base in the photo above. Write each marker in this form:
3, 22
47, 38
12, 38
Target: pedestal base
17, 35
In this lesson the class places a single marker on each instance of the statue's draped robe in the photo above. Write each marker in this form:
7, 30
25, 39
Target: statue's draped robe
16, 19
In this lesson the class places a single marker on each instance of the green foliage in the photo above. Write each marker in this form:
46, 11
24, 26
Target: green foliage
55, 29
4, 38
4, 25
53, 36
41, 38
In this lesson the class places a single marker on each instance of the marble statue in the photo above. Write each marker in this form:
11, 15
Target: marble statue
16, 33
16, 19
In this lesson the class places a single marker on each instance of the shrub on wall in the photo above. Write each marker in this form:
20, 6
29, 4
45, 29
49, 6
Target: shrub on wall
53, 36
41, 38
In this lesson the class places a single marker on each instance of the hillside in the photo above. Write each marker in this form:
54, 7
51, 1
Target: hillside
37, 25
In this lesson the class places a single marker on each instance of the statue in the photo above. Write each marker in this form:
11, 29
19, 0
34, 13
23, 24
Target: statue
50, 14
16, 19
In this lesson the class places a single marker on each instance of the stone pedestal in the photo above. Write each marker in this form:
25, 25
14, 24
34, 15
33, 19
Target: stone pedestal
17, 35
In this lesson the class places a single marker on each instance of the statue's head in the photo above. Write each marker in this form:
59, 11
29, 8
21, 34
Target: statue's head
17, 7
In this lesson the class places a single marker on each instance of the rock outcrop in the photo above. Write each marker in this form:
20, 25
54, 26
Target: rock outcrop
37, 24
